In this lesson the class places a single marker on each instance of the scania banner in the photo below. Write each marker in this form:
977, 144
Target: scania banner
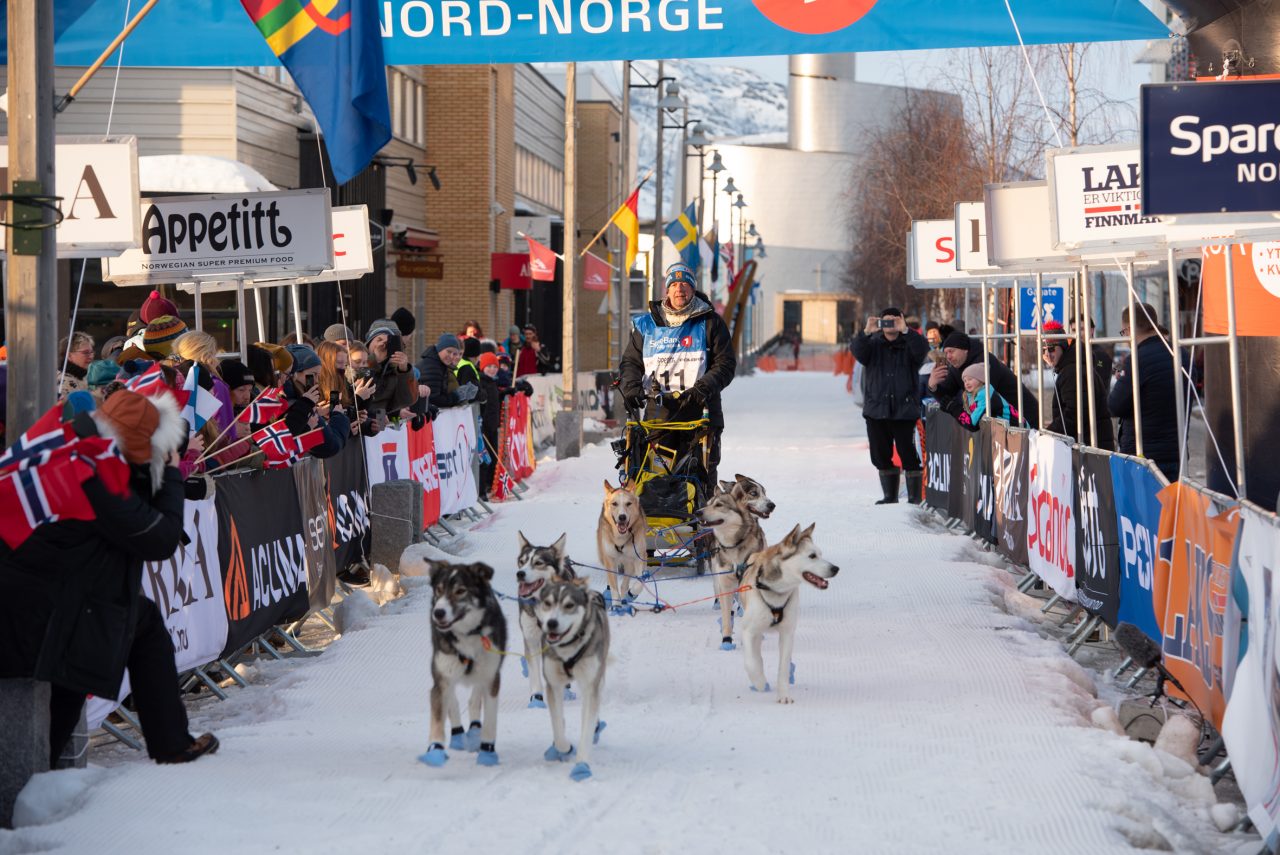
1191, 590
262, 551
1097, 538
1051, 526
447, 32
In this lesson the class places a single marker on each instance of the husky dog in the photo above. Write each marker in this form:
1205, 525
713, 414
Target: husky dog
577, 632
468, 635
772, 603
738, 536
750, 492
620, 541
537, 565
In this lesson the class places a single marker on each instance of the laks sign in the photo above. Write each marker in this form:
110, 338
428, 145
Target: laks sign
1095, 197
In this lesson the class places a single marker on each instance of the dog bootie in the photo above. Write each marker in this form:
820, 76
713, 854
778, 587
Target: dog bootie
487, 756
524, 667
569, 694
456, 741
472, 739
767, 687
554, 755
435, 756
580, 772
792, 678
600, 726
726, 643
536, 702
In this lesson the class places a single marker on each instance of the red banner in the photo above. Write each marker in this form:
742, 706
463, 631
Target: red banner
422, 468
515, 447
542, 261
1257, 273
595, 273
511, 269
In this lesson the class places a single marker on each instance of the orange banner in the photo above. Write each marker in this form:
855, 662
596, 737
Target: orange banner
1257, 274
1190, 591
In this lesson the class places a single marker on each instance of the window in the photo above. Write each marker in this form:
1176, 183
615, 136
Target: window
407, 97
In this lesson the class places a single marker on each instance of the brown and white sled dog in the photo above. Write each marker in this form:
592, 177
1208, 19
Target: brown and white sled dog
620, 541
576, 627
468, 633
776, 575
535, 567
738, 536
750, 492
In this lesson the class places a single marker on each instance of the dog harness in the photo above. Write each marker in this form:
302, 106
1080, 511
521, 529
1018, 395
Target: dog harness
779, 612
466, 661
567, 664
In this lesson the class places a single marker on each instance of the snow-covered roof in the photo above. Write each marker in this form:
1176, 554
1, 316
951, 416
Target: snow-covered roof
198, 173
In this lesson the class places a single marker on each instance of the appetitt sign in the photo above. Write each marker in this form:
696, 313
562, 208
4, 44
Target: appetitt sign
1211, 147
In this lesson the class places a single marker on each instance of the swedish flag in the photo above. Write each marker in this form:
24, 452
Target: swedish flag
683, 231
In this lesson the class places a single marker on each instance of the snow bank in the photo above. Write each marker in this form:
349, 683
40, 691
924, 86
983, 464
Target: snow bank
198, 173
355, 612
50, 796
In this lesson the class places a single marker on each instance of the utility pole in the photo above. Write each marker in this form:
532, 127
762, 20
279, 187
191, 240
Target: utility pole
657, 207
33, 260
624, 275
569, 420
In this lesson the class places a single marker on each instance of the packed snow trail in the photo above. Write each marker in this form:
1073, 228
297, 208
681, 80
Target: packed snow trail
927, 719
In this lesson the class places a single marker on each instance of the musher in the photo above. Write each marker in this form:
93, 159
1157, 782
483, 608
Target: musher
684, 347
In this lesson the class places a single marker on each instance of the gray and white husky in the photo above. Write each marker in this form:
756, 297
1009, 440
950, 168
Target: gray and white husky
572, 616
738, 535
750, 492
536, 566
775, 575
468, 637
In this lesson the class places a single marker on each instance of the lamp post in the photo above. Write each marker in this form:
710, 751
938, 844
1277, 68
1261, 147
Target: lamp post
670, 101
742, 229
729, 189
716, 167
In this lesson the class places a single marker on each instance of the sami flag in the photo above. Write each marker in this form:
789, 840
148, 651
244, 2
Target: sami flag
333, 49
683, 231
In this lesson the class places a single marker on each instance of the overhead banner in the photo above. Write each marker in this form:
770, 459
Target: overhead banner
1135, 490
1018, 234
227, 236
1095, 195
313, 494
1051, 528
1009, 466
424, 469
931, 253
971, 239
1256, 270
262, 552
348, 505
1097, 537
456, 458
1251, 726
1191, 591
446, 32
96, 182
1210, 147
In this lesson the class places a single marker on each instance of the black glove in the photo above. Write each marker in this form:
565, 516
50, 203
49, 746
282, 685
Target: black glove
467, 393
635, 403
695, 396
525, 387
417, 422
432, 411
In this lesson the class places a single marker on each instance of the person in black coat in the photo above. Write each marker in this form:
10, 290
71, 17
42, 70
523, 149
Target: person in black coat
435, 371
1154, 375
491, 396
946, 385
302, 391
691, 358
891, 355
72, 611
1061, 357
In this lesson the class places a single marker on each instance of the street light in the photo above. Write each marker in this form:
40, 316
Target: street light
699, 139
670, 101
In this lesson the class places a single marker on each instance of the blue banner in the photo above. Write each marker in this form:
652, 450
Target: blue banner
442, 32
1210, 147
1134, 489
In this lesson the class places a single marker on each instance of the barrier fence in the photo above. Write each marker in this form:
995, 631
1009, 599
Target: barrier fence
264, 552
1194, 570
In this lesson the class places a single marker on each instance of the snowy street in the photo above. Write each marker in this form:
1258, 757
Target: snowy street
930, 716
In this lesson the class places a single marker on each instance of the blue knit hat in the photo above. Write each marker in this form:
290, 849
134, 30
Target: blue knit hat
447, 340
303, 357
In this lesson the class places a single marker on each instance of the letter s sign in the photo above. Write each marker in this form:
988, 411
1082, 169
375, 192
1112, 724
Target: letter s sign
946, 250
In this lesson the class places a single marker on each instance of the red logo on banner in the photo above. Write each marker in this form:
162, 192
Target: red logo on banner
814, 16
687, 341
595, 273
422, 468
542, 261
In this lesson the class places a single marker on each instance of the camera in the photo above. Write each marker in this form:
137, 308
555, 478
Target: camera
888, 323
363, 373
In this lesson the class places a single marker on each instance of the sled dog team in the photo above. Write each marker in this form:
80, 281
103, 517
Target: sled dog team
566, 628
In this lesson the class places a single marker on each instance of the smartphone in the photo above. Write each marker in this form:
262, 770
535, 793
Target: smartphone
888, 323
334, 400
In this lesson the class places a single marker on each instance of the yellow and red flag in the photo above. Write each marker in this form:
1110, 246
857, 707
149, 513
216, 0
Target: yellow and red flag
627, 219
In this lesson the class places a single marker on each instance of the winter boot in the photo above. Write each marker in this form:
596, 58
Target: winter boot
889, 480
915, 480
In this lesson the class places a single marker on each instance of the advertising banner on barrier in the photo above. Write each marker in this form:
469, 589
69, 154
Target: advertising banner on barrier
387, 455
519, 458
1097, 537
423, 469
1251, 726
983, 486
456, 459
348, 505
313, 494
1135, 489
1191, 591
593, 401
1009, 467
1051, 525
940, 447
262, 553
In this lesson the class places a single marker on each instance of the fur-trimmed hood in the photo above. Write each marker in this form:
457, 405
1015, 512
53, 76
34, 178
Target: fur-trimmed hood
147, 428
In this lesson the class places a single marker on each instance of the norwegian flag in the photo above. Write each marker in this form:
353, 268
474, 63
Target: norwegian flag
149, 382
264, 409
276, 442
302, 443
49, 486
47, 434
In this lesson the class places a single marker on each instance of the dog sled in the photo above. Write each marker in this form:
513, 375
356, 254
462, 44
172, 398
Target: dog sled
665, 462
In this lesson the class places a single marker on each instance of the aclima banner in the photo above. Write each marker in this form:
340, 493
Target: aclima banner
445, 32
1210, 147
229, 235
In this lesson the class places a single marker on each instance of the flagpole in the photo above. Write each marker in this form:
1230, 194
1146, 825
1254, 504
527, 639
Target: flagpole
605, 227
66, 100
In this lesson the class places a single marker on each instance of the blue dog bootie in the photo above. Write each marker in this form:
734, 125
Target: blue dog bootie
435, 756
767, 687
456, 740
536, 702
524, 667
472, 739
580, 772
600, 726
553, 755
792, 679
487, 755
569, 693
